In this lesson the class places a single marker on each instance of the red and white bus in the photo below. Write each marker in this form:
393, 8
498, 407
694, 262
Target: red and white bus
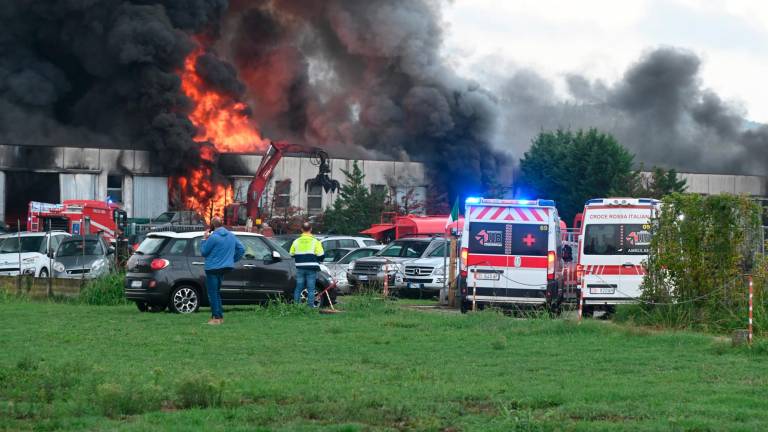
511, 253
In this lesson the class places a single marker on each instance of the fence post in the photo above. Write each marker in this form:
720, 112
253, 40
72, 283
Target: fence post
385, 291
749, 326
581, 301
474, 291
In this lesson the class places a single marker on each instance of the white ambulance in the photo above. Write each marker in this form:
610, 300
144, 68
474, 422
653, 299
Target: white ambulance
614, 242
510, 253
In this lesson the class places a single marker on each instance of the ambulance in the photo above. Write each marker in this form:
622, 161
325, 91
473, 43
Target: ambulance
614, 242
510, 254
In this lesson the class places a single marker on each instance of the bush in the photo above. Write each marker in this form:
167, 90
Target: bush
116, 400
702, 249
105, 291
200, 391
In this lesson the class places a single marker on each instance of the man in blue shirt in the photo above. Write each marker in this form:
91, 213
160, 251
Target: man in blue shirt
221, 250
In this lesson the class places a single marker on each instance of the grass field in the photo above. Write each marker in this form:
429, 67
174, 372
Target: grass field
375, 367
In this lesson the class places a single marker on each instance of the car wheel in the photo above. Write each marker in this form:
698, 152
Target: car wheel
142, 306
43, 273
184, 299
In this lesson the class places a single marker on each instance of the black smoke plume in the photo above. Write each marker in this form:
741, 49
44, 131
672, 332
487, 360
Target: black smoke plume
364, 79
660, 110
101, 74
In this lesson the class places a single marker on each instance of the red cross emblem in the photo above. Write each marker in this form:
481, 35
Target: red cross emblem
529, 240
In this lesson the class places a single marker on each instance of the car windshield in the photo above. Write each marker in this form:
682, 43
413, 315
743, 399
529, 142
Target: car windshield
439, 251
356, 254
404, 249
150, 245
79, 247
28, 244
165, 217
617, 239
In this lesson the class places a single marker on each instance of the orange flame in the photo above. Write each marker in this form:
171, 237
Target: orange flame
225, 123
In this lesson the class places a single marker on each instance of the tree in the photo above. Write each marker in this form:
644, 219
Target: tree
356, 208
571, 168
658, 184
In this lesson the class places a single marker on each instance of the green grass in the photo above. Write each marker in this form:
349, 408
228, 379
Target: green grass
376, 366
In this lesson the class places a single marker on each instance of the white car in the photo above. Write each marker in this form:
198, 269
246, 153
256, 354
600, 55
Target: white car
426, 274
338, 269
33, 248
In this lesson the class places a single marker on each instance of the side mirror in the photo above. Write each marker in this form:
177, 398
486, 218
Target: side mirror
111, 250
276, 256
51, 254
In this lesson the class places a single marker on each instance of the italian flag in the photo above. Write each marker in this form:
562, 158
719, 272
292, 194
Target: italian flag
454, 216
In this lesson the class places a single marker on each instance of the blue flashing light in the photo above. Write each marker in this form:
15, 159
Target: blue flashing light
595, 201
546, 203
472, 200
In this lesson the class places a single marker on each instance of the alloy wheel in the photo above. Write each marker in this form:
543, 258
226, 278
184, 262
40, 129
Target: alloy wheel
185, 300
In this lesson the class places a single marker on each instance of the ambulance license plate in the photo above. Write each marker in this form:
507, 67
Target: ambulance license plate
487, 276
602, 290
136, 284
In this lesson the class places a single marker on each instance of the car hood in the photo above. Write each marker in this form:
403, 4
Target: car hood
384, 260
79, 261
431, 262
13, 258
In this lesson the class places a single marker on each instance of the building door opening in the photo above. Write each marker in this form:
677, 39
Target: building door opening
24, 186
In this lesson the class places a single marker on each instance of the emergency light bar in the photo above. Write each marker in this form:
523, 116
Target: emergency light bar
622, 201
540, 203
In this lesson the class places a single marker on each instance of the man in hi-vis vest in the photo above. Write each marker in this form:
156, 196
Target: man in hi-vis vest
308, 253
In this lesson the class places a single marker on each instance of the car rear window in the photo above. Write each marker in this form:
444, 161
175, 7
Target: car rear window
490, 238
617, 239
151, 245
370, 242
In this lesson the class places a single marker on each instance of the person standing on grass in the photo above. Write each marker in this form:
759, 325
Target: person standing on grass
308, 253
221, 250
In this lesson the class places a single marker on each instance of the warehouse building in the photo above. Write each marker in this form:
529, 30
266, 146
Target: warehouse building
54, 174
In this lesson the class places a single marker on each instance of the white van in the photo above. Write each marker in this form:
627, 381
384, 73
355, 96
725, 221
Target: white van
511, 253
614, 242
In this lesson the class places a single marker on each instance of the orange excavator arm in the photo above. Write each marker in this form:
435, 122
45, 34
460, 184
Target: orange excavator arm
268, 163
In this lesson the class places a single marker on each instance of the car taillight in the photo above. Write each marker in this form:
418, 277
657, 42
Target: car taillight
464, 255
551, 265
579, 272
159, 264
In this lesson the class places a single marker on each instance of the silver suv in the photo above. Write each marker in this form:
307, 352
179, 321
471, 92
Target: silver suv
391, 261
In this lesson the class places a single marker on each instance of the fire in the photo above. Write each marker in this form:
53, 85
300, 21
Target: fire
225, 123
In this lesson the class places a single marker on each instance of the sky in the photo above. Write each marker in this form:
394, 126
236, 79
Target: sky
485, 39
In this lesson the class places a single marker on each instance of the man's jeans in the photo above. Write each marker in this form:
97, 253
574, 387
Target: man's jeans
305, 278
213, 280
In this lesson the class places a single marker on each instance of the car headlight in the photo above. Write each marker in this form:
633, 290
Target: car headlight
439, 271
59, 267
30, 260
98, 265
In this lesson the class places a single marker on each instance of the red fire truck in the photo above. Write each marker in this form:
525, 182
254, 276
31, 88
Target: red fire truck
77, 217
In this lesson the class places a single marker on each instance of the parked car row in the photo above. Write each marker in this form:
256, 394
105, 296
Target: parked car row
57, 253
